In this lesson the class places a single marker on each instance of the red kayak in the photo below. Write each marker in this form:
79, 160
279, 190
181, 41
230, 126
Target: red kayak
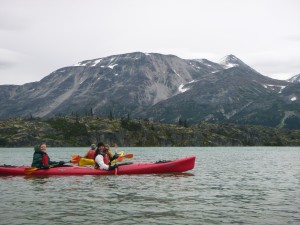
175, 166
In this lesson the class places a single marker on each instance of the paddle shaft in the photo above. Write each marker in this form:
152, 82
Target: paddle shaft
30, 170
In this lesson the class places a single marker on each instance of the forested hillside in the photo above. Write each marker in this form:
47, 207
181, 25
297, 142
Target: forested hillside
78, 131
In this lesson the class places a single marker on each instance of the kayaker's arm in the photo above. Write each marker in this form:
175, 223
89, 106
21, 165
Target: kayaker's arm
113, 167
54, 163
115, 156
99, 160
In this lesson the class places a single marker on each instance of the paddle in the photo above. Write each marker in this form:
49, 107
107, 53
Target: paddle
124, 164
30, 170
127, 156
75, 158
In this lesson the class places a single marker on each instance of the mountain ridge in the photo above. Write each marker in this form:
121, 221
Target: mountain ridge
155, 86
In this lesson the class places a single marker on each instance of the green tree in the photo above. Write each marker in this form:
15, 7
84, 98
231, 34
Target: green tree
110, 115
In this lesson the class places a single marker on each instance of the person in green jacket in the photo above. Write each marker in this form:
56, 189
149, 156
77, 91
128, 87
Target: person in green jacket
41, 158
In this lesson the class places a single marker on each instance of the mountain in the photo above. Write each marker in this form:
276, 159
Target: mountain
237, 94
121, 83
164, 88
294, 79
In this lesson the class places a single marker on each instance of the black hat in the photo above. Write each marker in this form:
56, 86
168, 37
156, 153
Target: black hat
100, 144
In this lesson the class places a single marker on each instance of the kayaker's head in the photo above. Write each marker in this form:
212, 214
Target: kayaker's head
99, 150
106, 147
43, 147
100, 146
93, 146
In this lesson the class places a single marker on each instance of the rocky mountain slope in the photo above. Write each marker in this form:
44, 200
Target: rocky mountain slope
295, 79
160, 87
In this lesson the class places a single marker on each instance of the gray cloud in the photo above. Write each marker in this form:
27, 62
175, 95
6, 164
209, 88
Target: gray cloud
42, 36
6, 65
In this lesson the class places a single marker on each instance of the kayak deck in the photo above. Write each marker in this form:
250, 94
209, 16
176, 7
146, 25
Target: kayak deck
175, 166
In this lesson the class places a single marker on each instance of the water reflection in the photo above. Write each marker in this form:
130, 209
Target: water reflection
37, 183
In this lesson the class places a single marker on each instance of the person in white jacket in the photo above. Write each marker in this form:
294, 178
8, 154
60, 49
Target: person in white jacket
102, 159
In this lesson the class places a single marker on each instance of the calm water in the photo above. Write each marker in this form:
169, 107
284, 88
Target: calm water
254, 185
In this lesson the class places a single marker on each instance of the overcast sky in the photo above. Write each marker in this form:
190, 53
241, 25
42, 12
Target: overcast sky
38, 37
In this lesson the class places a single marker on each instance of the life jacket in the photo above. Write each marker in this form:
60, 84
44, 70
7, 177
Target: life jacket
106, 159
45, 159
91, 154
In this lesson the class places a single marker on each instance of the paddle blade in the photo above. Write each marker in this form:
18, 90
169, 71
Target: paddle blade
75, 158
74, 161
127, 156
120, 158
30, 170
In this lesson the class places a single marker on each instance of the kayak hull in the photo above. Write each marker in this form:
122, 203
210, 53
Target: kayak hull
175, 166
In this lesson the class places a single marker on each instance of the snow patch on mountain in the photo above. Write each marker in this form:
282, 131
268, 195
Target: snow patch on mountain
274, 87
90, 63
96, 62
112, 66
230, 65
79, 64
229, 61
176, 73
181, 89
